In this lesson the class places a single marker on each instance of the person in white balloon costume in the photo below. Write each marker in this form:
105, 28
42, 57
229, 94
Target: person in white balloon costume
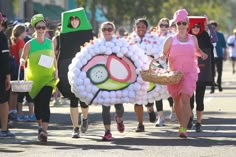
107, 72
150, 44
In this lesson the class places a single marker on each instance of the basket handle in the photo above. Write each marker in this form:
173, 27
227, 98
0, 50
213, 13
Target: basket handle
18, 77
153, 60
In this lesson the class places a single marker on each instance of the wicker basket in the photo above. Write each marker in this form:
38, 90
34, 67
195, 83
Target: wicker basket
158, 75
21, 85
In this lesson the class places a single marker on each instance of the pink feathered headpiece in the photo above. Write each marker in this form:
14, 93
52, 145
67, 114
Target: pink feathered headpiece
180, 15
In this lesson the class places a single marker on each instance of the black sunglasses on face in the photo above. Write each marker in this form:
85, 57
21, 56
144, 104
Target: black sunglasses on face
196, 26
107, 29
181, 23
40, 27
164, 25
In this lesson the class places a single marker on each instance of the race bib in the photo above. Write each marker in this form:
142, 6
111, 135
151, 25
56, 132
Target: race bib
46, 61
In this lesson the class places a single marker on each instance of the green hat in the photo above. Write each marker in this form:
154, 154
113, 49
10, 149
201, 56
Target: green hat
37, 18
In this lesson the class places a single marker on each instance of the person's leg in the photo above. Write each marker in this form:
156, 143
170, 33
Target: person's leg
233, 60
45, 102
20, 114
45, 97
219, 71
178, 110
139, 114
13, 106
185, 115
160, 114
84, 117
4, 108
200, 93
190, 122
172, 116
4, 115
106, 117
74, 115
30, 103
151, 112
119, 117
214, 67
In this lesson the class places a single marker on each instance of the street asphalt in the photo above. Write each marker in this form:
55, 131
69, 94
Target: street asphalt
218, 138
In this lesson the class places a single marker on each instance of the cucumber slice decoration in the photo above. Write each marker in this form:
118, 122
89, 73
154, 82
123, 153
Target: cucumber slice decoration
151, 87
98, 74
111, 85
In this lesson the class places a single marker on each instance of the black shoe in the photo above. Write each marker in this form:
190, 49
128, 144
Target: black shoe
212, 90
190, 123
152, 116
140, 128
220, 89
198, 127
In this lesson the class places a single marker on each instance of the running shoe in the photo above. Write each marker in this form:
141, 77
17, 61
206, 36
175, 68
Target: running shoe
6, 134
160, 122
84, 124
140, 128
152, 116
32, 118
173, 117
107, 136
183, 132
120, 125
198, 127
75, 132
42, 135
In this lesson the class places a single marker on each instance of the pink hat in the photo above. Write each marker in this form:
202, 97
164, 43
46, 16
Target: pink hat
180, 15
1, 17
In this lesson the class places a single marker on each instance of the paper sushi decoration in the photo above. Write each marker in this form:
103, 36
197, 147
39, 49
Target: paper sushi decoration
152, 46
108, 72
71, 39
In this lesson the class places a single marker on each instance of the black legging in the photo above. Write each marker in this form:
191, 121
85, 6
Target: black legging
200, 93
106, 116
74, 102
219, 67
159, 104
41, 103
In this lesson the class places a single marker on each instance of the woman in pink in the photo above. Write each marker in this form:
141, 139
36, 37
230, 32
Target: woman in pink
182, 51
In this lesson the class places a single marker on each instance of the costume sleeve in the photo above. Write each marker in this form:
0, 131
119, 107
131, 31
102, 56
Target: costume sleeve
4, 55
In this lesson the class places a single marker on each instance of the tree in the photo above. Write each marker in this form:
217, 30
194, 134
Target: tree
124, 12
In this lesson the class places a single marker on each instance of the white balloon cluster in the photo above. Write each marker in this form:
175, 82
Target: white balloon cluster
84, 89
152, 45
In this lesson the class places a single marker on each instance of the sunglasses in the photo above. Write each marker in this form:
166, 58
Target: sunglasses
182, 23
196, 26
40, 27
164, 25
107, 29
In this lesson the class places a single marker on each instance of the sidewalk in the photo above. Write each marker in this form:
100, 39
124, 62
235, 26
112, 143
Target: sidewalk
217, 140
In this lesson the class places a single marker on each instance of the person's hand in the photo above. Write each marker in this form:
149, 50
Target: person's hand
22, 62
162, 57
204, 56
7, 82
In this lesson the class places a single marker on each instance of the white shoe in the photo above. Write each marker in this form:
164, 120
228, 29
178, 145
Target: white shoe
173, 117
160, 122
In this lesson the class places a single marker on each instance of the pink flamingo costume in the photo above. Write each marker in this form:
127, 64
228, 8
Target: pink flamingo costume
183, 57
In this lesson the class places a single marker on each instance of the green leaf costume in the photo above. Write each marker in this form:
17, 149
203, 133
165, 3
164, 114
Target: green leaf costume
40, 75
